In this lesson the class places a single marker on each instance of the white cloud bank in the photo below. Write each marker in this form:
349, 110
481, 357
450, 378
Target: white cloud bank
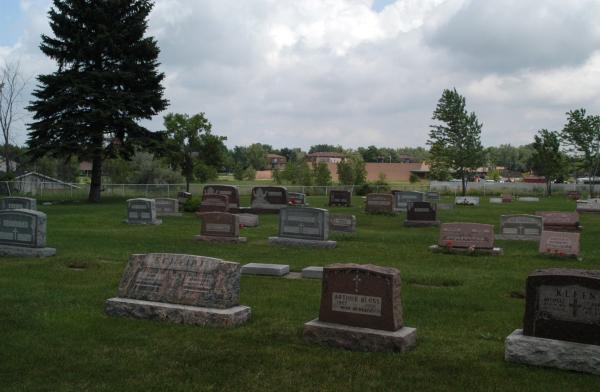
296, 73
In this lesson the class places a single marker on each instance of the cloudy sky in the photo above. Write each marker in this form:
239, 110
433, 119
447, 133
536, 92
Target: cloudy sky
293, 73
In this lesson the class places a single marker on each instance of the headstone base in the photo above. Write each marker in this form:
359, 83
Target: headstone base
169, 214
588, 211
265, 269
517, 237
300, 242
493, 251
359, 339
414, 223
214, 238
312, 272
254, 210
559, 354
136, 222
9, 250
178, 314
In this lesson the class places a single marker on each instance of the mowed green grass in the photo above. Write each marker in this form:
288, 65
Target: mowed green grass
55, 336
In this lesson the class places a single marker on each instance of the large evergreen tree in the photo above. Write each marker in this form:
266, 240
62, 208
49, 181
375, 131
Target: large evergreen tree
106, 81
455, 144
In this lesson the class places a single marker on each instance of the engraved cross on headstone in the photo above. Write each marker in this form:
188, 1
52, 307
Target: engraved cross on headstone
15, 233
356, 281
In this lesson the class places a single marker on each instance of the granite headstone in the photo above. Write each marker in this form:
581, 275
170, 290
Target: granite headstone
520, 227
18, 203
560, 243
142, 212
23, 233
220, 227
379, 203
303, 227
340, 198
232, 193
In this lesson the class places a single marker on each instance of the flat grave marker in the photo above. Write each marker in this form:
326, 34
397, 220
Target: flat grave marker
182, 289
361, 310
266, 269
529, 199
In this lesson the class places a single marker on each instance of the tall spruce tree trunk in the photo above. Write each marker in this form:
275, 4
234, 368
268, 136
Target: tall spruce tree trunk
96, 185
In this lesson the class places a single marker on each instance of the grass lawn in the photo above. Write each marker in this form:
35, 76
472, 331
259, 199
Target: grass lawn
55, 336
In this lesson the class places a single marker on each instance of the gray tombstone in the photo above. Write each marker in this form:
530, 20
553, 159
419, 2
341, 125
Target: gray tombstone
142, 212
402, 198
18, 203
589, 205
342, 222
180, 288
23, 233
303, 227
268, 198
167, 207
379, 203
520, 227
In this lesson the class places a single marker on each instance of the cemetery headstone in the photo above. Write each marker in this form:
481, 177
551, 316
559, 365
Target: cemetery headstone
467, 200
340, 198
232, 193
402, 198
574, 195
559, 243
560, 221
466, 238
506, 198
18, 203
312, 272
361, 310
520, 227
23, 233
220, 227
379, 203
268, 198
266, 269
421, 214
180, 288
297, 199
590, 205
303, 227
248, 220
529, 199
561, 327
167, 207
142, 212
496, 200
342, 222
432, 197
182, 198
214, 202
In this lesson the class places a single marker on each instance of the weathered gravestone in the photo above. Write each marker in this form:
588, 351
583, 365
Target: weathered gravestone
361, 310
220, 227
268, 198
529, 199
467, 200
266, 269
303, 227
248, 220
214, 202
342, 222
402, 198
18, 203
506, 198
297, 199
590, 205
182, 289
432, 197
561, 327
167, 207
560, 221
574, 195
559, 243
232, 193
421, 214
340, 198
466, 238
379, 203
23, 233
520, 227
142, 212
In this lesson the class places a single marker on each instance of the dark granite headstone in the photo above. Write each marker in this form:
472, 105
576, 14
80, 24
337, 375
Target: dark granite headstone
379, 203
421, 211
18, 203
563, 304
269, 198
520, 227
560, 221
180, 288
466, 235
340, 198
559, 243
402, 198
214, 202
232, 193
